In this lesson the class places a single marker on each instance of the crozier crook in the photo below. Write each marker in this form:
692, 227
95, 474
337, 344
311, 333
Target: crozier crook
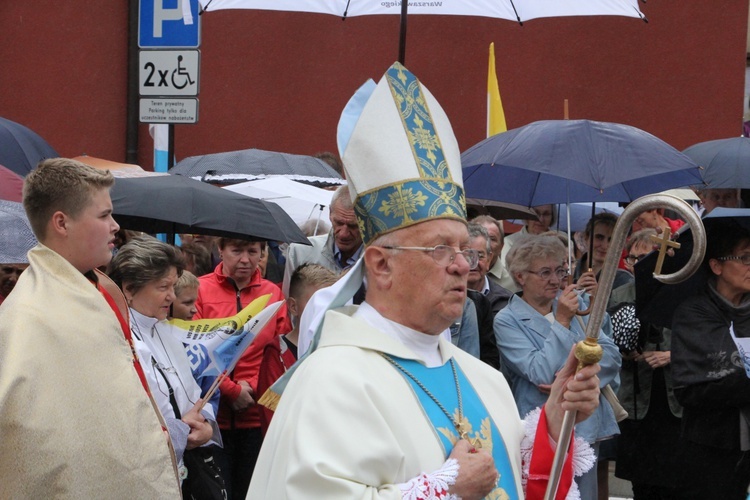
589, 351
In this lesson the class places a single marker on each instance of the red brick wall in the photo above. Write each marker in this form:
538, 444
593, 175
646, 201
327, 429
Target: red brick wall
278, 81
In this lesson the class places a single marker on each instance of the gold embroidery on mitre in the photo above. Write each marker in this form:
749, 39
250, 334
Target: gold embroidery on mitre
402, 203
401, 74
416, 119
424, 139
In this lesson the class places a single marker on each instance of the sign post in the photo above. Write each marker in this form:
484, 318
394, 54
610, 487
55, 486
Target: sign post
169, 64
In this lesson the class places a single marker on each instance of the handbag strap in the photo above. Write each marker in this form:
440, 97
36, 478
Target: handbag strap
172, 399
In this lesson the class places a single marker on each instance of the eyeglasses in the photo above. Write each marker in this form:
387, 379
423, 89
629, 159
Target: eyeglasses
631, 259
546, 274
744, 258
444, 255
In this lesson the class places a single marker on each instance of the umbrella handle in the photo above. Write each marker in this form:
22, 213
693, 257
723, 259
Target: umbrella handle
581, 312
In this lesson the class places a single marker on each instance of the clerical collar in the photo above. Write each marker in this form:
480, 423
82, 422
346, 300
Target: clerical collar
426, 347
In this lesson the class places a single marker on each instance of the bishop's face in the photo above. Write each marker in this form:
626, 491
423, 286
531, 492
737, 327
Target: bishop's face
427, 296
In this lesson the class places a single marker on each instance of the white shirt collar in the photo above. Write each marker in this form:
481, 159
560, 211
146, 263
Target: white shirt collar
486, 289
425, 346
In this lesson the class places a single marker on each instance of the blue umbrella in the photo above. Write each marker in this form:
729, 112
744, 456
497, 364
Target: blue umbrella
559, 161
726, 162
21, 149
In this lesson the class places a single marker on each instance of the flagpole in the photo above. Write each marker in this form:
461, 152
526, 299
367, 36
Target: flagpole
211, 390
402, 34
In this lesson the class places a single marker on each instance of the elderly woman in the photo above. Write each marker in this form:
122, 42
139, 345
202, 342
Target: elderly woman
709, 378
547, 215
536, 331
147, 270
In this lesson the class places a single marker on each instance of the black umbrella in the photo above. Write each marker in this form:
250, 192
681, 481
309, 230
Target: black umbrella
174, 204
499, 210
251, 164
21, 149
656, 301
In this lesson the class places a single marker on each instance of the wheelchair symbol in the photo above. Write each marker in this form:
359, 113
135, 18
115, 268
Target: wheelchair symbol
181, 72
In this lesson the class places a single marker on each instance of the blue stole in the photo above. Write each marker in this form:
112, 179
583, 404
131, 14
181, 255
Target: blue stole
441, 384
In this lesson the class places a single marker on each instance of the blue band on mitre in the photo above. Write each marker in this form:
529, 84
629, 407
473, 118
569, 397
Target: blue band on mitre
407, 203
418, 124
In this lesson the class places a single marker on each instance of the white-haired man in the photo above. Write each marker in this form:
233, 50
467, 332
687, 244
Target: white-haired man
384, 406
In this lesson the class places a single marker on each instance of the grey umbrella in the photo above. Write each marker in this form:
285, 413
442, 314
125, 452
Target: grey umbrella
16, 236
249, 164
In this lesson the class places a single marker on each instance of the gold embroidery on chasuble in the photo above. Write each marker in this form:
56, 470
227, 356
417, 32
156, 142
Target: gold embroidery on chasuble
481, 439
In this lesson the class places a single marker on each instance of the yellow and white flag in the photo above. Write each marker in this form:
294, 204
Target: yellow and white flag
495, 113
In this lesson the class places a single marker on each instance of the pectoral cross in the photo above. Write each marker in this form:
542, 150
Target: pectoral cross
462, 427
664, 244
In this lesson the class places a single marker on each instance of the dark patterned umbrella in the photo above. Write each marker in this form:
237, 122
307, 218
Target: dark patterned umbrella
16, 237
250, 164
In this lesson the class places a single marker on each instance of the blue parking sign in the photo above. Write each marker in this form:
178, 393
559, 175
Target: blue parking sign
162, 25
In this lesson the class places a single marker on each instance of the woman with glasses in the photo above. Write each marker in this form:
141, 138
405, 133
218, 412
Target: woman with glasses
147, 270
536, 331
708, 370
639, 244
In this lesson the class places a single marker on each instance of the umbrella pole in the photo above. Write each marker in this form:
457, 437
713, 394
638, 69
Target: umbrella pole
170, 146
590, 256
317, 222
402, 34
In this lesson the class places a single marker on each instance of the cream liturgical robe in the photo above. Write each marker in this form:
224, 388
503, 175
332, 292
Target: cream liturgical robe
348, 425
75, 421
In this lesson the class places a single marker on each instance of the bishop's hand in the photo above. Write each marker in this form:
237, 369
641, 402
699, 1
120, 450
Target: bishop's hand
477, 475
572, 391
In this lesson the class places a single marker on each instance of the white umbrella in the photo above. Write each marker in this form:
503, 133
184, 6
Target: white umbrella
512, 10
301, 201
686, 194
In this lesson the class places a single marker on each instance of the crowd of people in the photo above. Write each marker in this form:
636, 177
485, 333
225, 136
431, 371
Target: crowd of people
434, 360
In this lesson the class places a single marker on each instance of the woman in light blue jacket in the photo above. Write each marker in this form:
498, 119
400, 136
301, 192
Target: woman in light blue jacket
537, 330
